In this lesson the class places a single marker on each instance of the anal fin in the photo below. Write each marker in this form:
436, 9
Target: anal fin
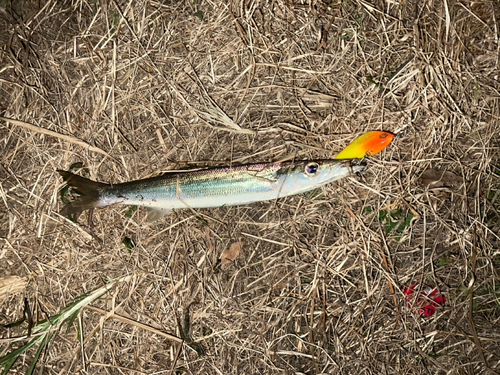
156, 213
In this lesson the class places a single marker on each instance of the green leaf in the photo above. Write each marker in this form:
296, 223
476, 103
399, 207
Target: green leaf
19, 322
396, 214
71, 320
199, 14
371, 79
217, 266
389, 225
63, 192
202, 220
128, 242
76, 165
115, 18
8, 365
46, 339
47, 328
8, 360
382, 215
405, 223
442, 261
130, 211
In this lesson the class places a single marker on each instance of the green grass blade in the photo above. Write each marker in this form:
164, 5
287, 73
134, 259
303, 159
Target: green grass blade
9, 359
8, 365
45, 340
54, 323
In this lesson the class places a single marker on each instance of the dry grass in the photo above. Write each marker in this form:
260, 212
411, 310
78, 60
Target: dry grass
131, 88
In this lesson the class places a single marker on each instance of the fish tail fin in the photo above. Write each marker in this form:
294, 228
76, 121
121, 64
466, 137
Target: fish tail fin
89, 193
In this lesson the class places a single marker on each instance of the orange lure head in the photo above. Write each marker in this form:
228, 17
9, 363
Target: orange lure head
367, 144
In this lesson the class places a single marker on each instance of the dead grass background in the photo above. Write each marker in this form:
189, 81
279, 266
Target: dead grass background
153, 86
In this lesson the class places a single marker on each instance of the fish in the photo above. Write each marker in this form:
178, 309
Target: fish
367, 144
212, 187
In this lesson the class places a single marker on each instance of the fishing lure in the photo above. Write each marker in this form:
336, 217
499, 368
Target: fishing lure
366, 144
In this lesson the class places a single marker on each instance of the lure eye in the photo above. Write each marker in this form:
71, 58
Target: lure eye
311, 169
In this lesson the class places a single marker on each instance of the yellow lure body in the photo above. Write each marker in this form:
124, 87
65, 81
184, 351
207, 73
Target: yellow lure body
366, 144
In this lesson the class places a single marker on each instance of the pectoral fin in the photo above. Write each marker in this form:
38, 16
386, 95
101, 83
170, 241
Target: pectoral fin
156, 213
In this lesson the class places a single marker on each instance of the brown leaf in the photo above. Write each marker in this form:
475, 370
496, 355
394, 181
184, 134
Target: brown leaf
10, 285
434, 178
231, 253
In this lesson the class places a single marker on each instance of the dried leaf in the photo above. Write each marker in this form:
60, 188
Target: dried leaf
10, 285
231, 253
435, 179
67, 138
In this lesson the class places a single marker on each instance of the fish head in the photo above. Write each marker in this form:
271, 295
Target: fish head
307, 175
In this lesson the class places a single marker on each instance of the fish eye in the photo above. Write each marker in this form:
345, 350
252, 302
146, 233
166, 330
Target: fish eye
311, 169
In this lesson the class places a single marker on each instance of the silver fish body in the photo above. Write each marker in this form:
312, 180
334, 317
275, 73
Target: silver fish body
215, 187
